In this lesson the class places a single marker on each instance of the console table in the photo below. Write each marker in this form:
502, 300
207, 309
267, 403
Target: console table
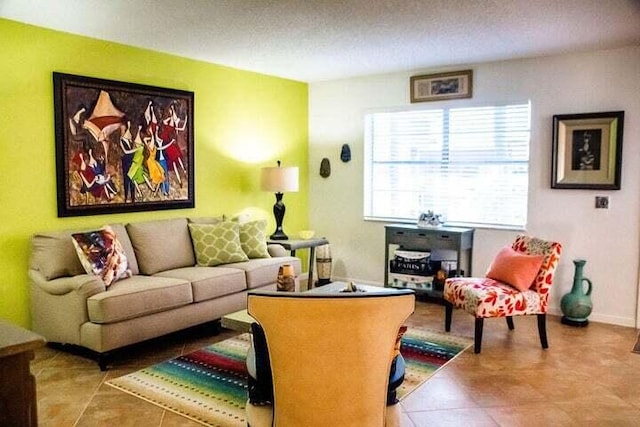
311, 244
18, 405
405, 237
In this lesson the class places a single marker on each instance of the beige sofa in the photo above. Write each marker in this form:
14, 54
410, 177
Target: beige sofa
167, 291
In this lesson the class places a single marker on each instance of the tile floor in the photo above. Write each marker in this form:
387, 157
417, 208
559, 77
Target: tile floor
588, 377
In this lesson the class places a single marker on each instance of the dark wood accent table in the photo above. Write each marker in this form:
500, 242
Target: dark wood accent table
18, 405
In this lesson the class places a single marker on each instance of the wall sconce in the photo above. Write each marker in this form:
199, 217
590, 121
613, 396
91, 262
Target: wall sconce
279, 180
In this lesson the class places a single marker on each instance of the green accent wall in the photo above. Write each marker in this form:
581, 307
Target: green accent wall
243, 121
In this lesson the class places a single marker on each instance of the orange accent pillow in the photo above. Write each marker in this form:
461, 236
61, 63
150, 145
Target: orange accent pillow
515, 268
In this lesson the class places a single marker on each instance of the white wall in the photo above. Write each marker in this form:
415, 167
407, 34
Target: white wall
577, 83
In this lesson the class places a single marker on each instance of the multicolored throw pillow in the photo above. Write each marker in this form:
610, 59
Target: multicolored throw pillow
216, 244
101, 254
253, 239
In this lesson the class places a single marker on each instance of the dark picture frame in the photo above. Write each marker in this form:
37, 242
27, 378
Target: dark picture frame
587, 151
442, 86
122, 147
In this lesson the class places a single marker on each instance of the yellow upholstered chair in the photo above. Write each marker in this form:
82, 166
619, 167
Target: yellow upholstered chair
517, 283
330, 357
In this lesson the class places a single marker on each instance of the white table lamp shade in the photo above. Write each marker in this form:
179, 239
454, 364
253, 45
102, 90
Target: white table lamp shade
279, 179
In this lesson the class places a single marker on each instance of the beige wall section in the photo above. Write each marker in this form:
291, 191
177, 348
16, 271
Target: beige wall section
574, 83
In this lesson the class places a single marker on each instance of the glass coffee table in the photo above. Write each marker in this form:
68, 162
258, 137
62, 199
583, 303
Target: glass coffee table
241, 320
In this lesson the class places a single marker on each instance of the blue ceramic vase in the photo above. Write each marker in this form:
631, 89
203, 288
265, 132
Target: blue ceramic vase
576, 305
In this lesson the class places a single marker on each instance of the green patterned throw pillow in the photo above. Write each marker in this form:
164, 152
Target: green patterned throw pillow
216, 244
253, 239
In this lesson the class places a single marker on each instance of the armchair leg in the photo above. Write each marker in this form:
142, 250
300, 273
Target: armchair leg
510, 322
478, 335
542, 329
448, 311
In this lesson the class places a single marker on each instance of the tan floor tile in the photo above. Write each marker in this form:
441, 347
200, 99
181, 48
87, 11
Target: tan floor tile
453, 418
131, 411
438, 393
590, 414
534, 415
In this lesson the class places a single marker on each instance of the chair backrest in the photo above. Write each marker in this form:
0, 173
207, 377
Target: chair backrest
330, 353
551, 251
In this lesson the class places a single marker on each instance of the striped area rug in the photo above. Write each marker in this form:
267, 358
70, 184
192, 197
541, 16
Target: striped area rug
210, 385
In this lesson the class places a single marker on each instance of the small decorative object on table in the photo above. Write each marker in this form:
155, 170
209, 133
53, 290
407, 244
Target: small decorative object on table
306, 234
351, 287
576, 305
430, 220
323, 263
286, 278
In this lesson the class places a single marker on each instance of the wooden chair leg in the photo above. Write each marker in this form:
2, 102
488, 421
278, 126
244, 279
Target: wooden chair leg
542, 329
448, 311
510, 322
478, 335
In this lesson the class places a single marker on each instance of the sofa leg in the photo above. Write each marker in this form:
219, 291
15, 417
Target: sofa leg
542, 330
103, 360
216, 327
478, 335
448, 311
510, 322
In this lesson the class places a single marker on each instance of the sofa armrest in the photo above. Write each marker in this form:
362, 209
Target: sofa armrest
59, 306
276, 250
84, 284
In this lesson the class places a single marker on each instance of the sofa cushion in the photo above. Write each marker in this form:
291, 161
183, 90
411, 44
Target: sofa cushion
216, 244
123, 238
161, 245
138, 296
253, 239
205, 219
264, 271
101, 254
54, 255
209, 282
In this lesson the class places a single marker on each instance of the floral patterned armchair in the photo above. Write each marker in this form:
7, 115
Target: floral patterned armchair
491, 297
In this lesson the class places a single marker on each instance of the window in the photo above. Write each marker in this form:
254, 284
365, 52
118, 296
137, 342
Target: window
469, 164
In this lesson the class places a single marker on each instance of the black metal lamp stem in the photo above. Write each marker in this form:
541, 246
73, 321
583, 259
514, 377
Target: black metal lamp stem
278, 213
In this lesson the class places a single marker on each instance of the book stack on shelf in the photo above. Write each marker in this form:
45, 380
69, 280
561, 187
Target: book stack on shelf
419, 270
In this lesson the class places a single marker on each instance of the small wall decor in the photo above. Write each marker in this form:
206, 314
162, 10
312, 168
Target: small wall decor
121, 147
325, 168
587, 151
442, 86
345, 153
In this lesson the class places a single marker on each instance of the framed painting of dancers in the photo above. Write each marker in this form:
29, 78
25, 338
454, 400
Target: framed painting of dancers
122, 147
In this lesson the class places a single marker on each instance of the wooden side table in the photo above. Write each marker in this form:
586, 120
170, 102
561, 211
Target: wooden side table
311, 244
18, 405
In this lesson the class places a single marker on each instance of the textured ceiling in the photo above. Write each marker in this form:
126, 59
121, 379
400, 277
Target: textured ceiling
318, 40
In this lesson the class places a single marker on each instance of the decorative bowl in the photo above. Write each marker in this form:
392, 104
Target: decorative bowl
306, 234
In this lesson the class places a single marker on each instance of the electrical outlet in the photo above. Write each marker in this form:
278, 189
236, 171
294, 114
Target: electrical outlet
602, 202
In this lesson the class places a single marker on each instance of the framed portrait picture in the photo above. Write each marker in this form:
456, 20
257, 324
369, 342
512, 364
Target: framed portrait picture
121, 147
587, 151
442, 86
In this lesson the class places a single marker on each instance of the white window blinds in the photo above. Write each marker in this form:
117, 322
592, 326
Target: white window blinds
469, 164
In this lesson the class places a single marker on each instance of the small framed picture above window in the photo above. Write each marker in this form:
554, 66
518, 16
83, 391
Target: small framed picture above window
442, 86
587, 151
